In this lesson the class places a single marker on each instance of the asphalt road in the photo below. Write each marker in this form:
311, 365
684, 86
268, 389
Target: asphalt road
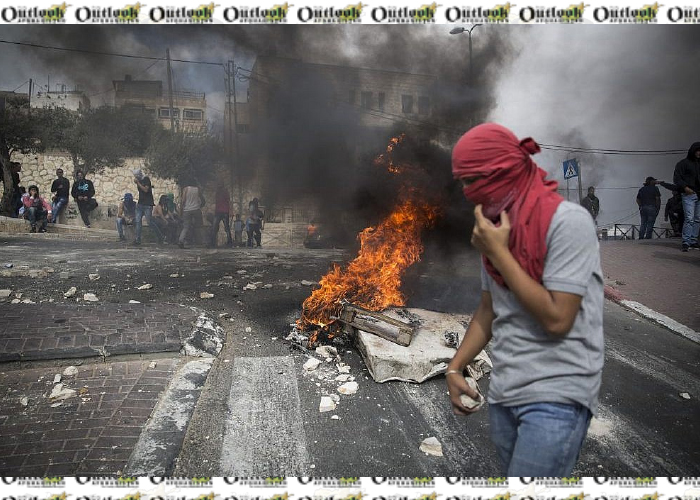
259, 411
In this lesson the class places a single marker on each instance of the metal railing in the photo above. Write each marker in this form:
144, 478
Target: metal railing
631, 232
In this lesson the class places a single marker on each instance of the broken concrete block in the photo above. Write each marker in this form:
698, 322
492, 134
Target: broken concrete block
327, 404
343, 378
267, 286
335, 417
90, 297
343, 368
327, 351
147, 286
28, 301
311, 364
308, 283
56, 378
93, 276
24, 401
5, 294
250, 286
685, 395
70, 371
431, 446
174, 275
134, 302
15, 301
472, 403
70, 293
206, 295
427, 355
59, 393
348, 388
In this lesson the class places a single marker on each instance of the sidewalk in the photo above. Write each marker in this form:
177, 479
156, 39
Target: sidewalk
656, 274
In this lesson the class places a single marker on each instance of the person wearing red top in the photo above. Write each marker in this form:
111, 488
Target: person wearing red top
38, 209
222, 211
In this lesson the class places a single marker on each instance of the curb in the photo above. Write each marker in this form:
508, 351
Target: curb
616, 296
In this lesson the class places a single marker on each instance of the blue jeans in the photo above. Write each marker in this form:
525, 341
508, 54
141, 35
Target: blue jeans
37, 215
57, 207
146, 210
538, 439
648, 215
691, 225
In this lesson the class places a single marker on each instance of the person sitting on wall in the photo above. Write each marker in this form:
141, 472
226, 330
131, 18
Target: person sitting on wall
83, 191
38, 210
165, 220
125, 214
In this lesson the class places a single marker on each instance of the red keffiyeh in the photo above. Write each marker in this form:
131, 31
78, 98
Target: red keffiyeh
509, 181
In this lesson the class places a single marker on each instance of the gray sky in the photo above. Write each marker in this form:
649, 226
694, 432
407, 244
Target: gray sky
613, 87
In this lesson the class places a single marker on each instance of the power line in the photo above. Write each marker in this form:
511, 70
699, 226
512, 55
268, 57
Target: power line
112, 54
15, 90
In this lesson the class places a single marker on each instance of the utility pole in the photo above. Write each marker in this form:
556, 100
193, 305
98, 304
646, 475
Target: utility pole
236, 143
170, 91
30, 95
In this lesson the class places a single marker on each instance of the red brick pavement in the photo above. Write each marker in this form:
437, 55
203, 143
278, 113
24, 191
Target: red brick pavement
656, 274
92, 433
60, 331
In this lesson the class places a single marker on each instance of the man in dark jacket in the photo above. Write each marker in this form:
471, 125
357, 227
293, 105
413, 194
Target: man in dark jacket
649, 202
60, 189
83, 192
592, 204
687, 177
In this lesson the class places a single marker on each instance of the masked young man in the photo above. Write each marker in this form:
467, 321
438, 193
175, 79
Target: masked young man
541, 306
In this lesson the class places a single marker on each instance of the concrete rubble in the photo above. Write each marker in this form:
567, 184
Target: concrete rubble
70, 371
470, 402
311, 364
147, 286
5, 294
308, 283
93, 277
71, 292
348, 388
327, 404
431, 446
426, 356
206, 295
90, 297
60, 393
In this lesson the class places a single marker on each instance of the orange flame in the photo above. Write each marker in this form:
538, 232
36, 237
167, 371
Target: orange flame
373, 279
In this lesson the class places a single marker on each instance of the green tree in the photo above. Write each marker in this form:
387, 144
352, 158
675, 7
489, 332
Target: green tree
25, 130
184, 155
104, 137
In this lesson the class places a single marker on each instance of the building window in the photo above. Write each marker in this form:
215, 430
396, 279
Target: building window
366, 100
407, 103
193, 114
423, 105
165, 113
380, 101
351, 98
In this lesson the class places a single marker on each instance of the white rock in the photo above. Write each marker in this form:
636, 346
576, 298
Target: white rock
134, 302
5, 293
15, 301
71, 292
343, 368
250, 286
348, 388
685, 395
24, 401
93, 277
335, 417
431, 446
241, 271
268, 286
147, 286
470, 402
248, 329
311, 364
70, 371
56, 405
59, 393
56, 378
90, 297
28, 301
308, 283
206, 295
152, 365
343, 378
327, 404
326, 351
18, 295
335, 398
174, 275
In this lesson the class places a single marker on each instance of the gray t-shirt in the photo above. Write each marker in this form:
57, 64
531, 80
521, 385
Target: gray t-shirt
530, 366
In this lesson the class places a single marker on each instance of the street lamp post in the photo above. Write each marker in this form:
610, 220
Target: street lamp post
457, 31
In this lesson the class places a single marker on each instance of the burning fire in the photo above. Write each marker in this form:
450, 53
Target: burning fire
373, 279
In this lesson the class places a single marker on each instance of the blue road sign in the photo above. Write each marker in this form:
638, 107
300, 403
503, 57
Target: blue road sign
570, 168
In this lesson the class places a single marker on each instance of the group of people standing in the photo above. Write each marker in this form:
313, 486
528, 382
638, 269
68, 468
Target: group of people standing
682, 209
